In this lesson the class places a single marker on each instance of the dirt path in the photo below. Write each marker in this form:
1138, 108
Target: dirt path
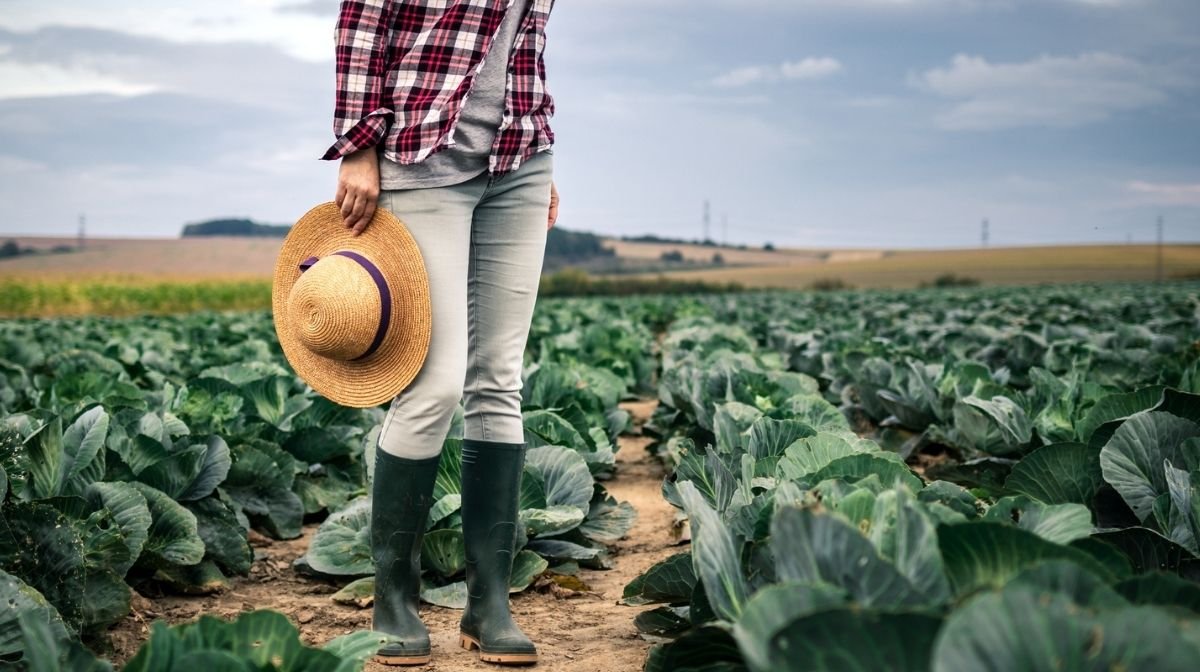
585, 632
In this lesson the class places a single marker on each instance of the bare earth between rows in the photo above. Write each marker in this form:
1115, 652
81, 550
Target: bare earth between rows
575, 631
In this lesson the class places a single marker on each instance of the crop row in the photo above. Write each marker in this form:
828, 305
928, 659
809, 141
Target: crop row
1053, 433
140, 452
1052, 519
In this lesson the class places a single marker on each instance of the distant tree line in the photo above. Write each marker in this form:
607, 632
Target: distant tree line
651, 238
706, 242
234, 227
10, 249
575, 245
676, 257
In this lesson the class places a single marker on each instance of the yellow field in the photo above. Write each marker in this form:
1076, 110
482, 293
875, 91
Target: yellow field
1010, 266
99, 295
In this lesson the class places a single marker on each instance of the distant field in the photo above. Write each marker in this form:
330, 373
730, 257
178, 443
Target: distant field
1010, 266
173, 258
182, 259
220, 257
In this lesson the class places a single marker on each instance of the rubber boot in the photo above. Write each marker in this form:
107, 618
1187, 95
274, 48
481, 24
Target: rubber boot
401, 496
491, 484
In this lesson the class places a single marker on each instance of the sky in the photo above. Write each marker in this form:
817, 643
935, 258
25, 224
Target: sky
805, 123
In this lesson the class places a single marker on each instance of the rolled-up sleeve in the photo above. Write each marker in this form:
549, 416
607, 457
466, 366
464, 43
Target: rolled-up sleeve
361, 116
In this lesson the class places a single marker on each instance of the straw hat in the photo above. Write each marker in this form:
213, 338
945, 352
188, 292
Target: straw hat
352, 312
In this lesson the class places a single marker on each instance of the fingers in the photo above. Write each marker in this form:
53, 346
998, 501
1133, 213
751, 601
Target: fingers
356, 213
347, 206
358, 189
552, 216
365, 218
357, 207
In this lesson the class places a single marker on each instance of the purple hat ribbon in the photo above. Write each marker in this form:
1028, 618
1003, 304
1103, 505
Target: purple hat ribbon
385, 296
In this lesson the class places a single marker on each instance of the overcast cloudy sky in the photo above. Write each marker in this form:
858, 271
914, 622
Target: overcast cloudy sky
805, 122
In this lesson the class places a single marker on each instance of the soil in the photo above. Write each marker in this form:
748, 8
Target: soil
575, 630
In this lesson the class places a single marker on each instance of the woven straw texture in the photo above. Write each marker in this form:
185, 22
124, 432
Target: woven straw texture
332, 315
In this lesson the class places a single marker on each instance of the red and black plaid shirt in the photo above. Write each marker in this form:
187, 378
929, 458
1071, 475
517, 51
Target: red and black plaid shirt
404, 68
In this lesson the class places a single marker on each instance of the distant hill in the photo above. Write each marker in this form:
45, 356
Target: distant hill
234, 227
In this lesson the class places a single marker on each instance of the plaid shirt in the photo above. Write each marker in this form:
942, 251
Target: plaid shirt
404, 68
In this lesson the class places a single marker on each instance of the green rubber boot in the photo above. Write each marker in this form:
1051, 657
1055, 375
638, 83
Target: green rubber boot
401, 496
491, 484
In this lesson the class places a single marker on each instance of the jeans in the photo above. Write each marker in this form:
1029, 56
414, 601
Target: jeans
482, 241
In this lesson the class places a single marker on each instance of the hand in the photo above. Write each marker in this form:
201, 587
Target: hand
553, 215
358, 188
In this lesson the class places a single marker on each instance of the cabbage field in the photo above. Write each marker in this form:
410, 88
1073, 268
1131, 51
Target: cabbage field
984, 478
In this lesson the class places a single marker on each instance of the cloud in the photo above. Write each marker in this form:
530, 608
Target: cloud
885, 7
806, 69
42, 79
1059, 91
69, 61
317, 7
76, 98
1166, 193
283, 24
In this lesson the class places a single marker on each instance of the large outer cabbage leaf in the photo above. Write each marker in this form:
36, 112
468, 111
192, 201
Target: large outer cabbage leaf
565, 474
820, 548
67, 462
1024, 628
1132, 460
342, 544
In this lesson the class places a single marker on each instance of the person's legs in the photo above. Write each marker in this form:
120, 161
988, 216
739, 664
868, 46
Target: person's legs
439, 219
508, 242
508, 239
410, 443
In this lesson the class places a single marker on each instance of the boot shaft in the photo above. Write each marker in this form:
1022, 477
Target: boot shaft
402, 494
491, 483
491, 493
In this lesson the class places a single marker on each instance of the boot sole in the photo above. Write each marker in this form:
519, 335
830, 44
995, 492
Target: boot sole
405, 660
470, 643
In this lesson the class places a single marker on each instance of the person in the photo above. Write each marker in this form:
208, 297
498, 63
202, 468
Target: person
442, 117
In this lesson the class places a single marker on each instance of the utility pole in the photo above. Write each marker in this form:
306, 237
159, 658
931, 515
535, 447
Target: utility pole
707, 221
724, 229
984, 233
1159, 270
82, 231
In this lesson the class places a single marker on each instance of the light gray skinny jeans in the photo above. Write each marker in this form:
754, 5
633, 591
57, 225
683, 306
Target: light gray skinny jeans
483, 241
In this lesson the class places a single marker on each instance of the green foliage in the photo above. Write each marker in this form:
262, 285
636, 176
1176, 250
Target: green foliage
952, 280
563, 246
1068, 414
829, 285
21, 297
256, 640
574, 282
1057, 426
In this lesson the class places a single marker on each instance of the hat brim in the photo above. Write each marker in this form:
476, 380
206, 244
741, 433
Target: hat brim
389, 245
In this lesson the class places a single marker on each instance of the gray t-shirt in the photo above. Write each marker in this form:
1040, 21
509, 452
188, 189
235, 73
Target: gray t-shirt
478, 121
